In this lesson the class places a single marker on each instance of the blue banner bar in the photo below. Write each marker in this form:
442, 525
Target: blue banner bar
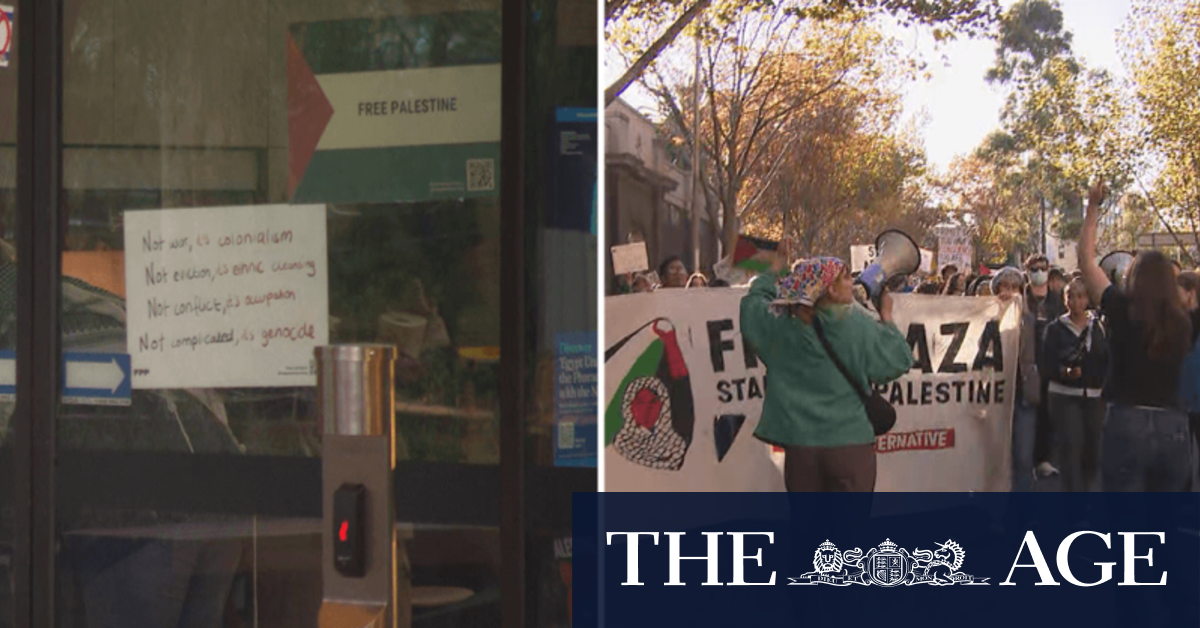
887, 559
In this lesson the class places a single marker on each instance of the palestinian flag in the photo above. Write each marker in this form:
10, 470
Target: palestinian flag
650, 415
746, 253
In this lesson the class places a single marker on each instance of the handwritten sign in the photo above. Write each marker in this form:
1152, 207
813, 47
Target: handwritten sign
954, 247
630, 258
226, 297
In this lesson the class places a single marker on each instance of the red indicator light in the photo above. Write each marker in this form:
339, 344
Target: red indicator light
344, 529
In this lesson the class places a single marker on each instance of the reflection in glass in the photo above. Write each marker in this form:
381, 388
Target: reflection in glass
226, 104
169, 124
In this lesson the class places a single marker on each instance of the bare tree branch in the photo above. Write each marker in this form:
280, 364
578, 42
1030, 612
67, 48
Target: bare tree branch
1163, 220
621, 84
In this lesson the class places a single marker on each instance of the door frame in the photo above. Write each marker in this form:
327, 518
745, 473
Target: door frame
215, 483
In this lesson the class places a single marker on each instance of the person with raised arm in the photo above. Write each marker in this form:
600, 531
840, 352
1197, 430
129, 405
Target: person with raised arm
1145, 441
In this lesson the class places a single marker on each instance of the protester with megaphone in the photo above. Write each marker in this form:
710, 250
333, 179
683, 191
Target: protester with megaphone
1145, 441
822, 354
896, 257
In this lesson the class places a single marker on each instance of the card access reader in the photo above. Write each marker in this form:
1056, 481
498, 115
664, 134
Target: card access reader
365, 579
348, 512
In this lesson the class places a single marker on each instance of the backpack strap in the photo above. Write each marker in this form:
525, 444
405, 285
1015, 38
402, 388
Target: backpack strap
836, 362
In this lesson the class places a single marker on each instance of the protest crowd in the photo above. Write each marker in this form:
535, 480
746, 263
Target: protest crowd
1107, 395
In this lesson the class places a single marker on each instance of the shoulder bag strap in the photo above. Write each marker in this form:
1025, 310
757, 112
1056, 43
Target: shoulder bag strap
838, 363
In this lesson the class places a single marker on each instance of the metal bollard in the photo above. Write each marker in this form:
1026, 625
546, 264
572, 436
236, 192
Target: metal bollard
364, 575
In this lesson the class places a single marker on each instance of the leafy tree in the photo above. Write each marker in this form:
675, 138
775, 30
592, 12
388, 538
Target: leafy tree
1068, 123
1162, 51
757, 78
990, 194
645, 29
1031, 34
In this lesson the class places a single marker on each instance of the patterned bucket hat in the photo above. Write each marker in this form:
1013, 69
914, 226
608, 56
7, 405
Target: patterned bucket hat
809, 280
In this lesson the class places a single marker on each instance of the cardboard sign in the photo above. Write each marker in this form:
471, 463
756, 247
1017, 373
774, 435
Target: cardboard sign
630, 258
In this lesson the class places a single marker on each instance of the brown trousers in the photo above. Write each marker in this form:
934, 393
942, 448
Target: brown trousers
848, 469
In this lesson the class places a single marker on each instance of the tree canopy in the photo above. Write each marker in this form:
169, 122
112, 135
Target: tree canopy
644, 29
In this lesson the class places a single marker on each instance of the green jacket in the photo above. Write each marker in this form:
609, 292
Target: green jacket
808, 401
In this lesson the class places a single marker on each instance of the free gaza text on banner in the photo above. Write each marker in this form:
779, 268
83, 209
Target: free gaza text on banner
683, 395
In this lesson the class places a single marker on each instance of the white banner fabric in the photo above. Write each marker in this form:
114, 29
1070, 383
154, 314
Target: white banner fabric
689, 427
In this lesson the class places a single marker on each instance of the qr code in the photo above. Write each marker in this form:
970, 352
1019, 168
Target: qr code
481, 175
566, 436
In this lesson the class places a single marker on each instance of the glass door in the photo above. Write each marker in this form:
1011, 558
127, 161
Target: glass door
242, 182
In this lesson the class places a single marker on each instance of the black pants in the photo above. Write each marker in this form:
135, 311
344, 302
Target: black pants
848, 469
1079, 425
1043, 443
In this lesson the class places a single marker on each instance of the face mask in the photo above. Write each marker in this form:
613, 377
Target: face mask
1039, 277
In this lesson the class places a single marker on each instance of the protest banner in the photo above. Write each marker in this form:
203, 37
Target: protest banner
683, 395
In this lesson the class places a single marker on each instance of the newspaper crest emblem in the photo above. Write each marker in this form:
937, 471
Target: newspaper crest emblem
889, 565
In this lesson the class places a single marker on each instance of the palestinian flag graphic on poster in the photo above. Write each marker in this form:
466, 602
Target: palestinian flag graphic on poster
651, 415
399, 108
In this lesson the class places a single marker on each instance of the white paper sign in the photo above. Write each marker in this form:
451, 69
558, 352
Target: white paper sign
954, 247
630, 258
226, 297
861, 256
926, 261
954, 409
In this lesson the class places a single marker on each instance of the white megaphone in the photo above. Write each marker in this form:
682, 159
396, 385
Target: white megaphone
1116, 267
896, 255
